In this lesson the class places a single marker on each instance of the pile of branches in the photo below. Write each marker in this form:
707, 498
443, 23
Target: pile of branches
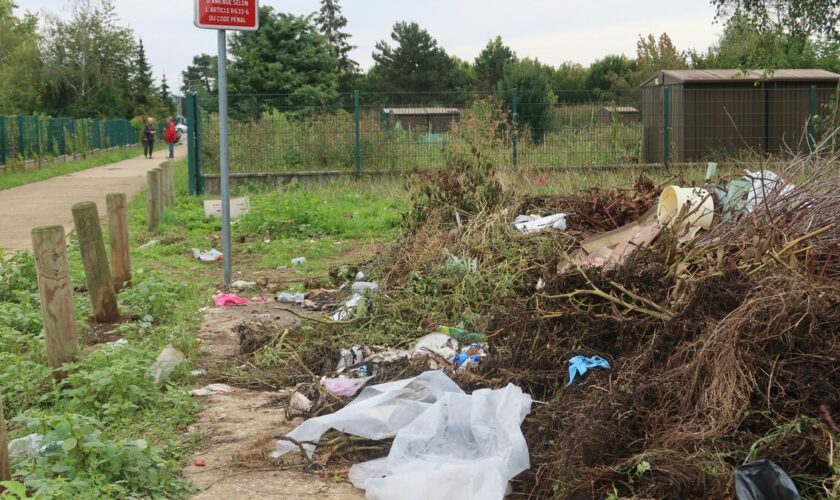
724, 348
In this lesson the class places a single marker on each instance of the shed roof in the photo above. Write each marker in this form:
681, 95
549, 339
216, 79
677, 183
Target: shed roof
422, 111
622, 109
672, 76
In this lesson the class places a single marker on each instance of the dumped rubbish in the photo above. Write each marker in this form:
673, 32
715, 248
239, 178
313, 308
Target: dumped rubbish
198, 373
211, 389
437, 343
469, 355
165, 364
148, 244
612, 247
200, 463
462, 335
242, 284
745, 194
300, 403
211, 255
536, 224
693, 207
361, 286
239, 206
298, 261
290, 297
764, 480
27, 446
350, 357
344, 386
360, 276
447, 444
579, 365
117, 343
229, 299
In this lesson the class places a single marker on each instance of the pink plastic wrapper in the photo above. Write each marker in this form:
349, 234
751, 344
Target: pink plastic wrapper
344, 387
229, 299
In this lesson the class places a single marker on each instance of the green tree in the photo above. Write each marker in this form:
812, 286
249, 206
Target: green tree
569, 82
416, 63
536, 98
331, 23
200, 75
88, 62
612, 73
287, 55
165, 97
801, 19
21, 79
491, 62
142, 83
654, 55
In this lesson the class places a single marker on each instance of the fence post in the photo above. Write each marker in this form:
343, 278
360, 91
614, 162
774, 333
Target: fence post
812, 114
153, 200
357, 134
5, 471
192, 143
666, 127
21, 124
3, 145
103, 299
56, 291
514, 107
118, 239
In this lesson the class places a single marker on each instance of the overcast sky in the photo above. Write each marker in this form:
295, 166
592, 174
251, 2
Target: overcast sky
552, 31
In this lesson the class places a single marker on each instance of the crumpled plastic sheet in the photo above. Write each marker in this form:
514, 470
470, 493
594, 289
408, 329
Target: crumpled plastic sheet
166, 362
344, 386
229, 299
211, 255
448, 444
536, 224
764, 480
765, 183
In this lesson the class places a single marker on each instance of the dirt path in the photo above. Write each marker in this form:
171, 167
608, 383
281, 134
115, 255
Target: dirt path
239, 428
48, 202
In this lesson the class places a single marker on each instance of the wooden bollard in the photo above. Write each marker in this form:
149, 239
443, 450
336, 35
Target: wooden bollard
103, 299
118, 238
5, 471
57, 309
171, 184
166, 172
153, 205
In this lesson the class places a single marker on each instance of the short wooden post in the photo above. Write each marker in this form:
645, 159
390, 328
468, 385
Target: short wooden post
57, 309
153, 203
5, 471
103, 299
171, 172
118, 237
166, 170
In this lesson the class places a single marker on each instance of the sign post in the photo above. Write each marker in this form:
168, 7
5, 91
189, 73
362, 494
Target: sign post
225, 15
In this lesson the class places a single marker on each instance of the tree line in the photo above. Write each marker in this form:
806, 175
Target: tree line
307, 57
86, 66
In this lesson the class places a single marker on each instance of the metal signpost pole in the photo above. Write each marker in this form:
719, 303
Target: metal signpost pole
224, 168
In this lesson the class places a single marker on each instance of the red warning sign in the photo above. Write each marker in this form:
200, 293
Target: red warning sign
227, 14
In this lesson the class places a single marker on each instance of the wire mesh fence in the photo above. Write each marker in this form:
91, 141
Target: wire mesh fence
38, 137
398, 132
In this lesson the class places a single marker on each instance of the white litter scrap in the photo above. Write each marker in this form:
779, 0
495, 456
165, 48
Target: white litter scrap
211, 255
358, 288
448, 444
764, 184
165, 364
536, 224
242, 284
211, 389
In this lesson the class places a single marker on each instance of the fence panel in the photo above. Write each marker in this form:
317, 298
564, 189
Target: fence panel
36, 137
396, 132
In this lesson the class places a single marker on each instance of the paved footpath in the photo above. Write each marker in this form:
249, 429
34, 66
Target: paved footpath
48, 202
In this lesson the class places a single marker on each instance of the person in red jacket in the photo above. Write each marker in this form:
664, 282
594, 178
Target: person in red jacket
170, 136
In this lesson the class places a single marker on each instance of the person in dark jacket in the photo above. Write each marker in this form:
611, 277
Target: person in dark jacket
148, 137
170, 136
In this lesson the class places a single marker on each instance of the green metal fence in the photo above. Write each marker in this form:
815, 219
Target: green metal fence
397, 132
33, 137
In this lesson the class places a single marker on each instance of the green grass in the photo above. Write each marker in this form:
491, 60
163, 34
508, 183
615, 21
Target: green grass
120, 435
14, 179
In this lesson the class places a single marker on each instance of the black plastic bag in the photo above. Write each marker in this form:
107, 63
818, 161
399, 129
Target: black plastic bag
764, 480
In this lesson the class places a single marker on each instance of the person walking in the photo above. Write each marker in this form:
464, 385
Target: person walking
148, 137
170, 136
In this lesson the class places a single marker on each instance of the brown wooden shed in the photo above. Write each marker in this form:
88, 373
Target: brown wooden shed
424, 120
626, 114
715, 112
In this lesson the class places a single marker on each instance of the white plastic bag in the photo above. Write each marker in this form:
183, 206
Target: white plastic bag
377, 413
462, 447
165, 363
534, 224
